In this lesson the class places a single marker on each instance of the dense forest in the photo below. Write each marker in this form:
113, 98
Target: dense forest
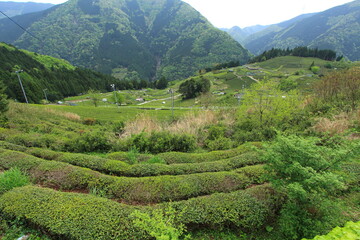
324, 54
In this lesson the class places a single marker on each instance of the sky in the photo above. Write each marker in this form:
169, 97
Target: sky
244, 13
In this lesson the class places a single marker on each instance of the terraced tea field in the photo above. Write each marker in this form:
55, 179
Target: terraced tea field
90, 197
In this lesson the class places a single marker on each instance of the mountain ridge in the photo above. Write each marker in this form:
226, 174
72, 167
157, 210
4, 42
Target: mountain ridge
337, 28
12, 9
131, 38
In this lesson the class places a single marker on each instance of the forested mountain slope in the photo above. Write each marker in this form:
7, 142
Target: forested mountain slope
128, 38
337, 28
42, 73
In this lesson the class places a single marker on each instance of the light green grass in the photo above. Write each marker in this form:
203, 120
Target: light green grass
113, 113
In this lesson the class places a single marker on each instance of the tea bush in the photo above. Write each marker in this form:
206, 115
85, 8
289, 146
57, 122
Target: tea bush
71, 216
177, 157
80, 216
144, 190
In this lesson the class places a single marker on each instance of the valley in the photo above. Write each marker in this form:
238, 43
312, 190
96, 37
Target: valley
144, 121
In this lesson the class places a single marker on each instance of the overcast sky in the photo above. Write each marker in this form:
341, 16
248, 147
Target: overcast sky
243, 13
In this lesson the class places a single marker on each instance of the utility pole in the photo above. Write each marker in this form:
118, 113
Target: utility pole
44, 90
22, 88
171, 91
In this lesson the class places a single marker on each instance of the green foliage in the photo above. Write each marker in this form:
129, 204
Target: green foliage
77, 216
162, 224
157, 142
220, 143
11, 179
4, 104
44, 72
192, 88
349, 231
162, 83
142, 190
264, 110
94, 141
300, 168
177, 157
339, 89
325, 54
315, 69
69, 215
244, 210
147, 40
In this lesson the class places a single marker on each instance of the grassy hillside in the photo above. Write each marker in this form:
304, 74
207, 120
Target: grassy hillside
281, 163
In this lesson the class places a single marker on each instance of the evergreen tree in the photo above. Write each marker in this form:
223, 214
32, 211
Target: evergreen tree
162, 83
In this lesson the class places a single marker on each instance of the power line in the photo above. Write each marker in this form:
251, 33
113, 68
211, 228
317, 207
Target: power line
20, 26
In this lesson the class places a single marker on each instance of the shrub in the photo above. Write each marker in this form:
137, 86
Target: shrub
158, 142
11, 179
301, 169
161, 224
221, 143
89, 142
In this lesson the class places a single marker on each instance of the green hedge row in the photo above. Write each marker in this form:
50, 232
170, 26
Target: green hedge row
120, 168
70, 215
81, 216
143, 190
178, 157
248, 209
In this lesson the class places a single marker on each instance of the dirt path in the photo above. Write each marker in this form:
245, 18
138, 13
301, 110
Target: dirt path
163, 99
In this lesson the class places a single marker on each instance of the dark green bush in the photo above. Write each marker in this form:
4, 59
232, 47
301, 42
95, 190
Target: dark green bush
158, 142
89, 142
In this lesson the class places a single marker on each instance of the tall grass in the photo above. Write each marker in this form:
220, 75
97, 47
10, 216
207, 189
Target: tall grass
190, 123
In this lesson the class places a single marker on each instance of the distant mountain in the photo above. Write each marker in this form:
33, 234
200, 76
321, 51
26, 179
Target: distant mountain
129, 39
337, 28
18, 8
240, 34
44, 73
249, 34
